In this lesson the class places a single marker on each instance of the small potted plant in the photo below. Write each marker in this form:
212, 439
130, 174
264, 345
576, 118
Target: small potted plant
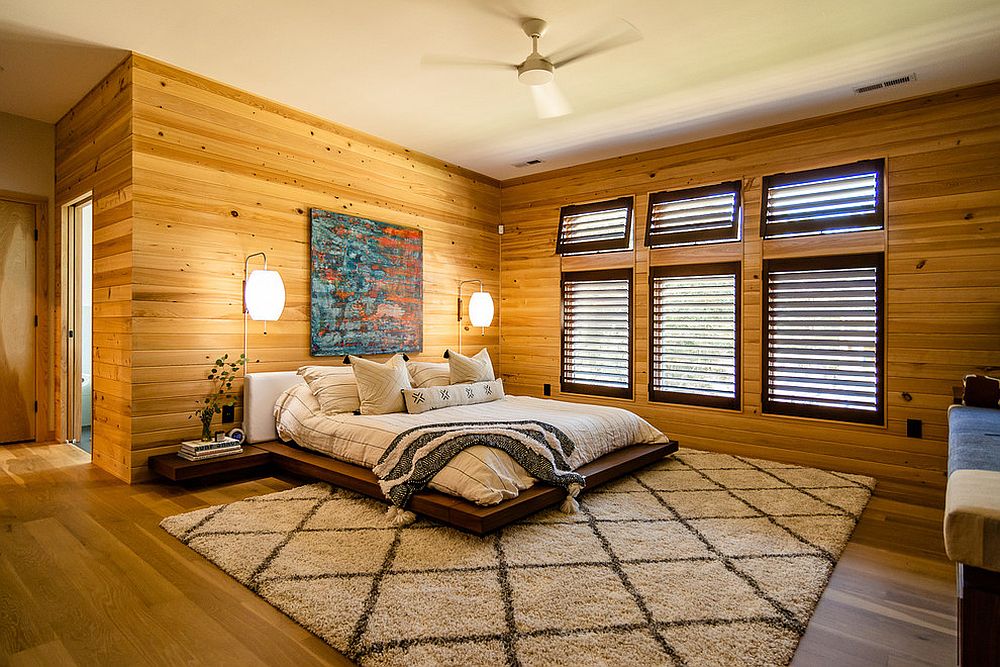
222, 375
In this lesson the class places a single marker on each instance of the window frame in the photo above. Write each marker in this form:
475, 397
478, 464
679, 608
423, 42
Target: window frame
681, 398
586, 247
875, 219
687, 238
568, 387
823, 263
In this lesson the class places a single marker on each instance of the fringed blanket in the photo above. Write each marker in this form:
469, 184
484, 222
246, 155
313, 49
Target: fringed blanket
416, 455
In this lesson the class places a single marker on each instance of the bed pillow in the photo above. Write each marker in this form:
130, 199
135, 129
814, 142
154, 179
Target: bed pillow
379, 385
334, 387
430, 398
477, 368
429, 374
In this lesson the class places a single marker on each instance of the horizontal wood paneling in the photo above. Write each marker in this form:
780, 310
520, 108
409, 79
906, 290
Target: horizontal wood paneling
219, 174
94, 155
942, 245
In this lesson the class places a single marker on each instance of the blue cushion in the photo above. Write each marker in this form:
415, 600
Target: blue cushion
973, 438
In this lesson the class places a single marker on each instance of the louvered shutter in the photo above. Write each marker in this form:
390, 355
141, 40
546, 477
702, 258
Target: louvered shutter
597, 333
823, 338
694, 337
837, 199
596, 227
695, 215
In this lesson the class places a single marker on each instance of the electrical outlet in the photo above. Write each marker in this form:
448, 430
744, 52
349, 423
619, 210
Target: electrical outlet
228, 414
547, 389
914, 428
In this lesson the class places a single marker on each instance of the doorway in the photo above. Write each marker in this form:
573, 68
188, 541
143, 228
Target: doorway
18, 404
79, 323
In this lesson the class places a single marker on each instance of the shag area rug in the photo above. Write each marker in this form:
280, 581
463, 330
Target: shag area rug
700, 559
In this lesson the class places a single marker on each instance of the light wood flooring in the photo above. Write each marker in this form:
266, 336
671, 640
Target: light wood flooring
87, 577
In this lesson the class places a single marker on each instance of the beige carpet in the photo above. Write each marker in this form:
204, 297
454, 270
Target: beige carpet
703, 559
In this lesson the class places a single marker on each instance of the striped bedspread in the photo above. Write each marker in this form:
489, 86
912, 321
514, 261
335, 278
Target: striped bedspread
417, 455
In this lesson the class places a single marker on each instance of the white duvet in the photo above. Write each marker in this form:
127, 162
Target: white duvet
483, 475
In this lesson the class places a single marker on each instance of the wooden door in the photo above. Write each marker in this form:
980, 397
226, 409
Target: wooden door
17, 321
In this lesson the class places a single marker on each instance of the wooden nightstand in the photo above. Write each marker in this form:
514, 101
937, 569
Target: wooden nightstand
173, 467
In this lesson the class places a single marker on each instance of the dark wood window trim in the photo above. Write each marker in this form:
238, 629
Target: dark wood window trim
768, 406
869, 221
622, 242
662, 239
685, 398
591, 389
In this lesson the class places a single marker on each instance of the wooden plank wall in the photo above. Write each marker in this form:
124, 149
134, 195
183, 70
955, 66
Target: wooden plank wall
942, 245
219, 174
94, 155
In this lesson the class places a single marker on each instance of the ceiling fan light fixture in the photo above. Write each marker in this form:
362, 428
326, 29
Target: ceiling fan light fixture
535, 72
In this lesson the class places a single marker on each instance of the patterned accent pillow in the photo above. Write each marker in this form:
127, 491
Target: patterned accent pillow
477, 368
430, 398
334, 387
428, 374
379, 385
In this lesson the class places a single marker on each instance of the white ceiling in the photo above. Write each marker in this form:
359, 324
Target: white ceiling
703, 68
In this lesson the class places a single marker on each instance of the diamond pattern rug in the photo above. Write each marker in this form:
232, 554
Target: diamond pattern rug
700, 559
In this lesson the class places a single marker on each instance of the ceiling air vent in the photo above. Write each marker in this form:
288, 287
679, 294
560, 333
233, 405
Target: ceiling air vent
886, 83
527, 163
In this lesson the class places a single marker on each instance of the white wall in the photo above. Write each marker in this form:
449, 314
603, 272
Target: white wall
27, 157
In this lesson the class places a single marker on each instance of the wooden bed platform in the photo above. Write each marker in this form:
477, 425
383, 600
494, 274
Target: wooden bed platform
454, 511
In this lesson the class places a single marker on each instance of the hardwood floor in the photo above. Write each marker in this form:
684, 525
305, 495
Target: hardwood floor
87, 577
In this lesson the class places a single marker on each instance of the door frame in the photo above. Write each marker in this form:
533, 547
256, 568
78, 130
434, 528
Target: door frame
45, 422
67, 216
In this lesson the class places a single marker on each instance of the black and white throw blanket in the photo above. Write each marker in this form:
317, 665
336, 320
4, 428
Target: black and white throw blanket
416, 455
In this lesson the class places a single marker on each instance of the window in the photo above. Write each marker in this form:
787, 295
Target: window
823, 201
597, 332
696, 215
597, 227
694, 335
823, 338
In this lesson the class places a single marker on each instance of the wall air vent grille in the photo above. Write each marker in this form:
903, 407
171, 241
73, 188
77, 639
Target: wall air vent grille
885, 83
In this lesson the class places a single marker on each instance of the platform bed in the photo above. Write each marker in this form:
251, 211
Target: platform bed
454, 511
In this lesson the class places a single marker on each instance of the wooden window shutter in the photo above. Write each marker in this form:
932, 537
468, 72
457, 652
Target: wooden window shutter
694, 335
824, 338
597, 227
597, 332
848, 198
696, 215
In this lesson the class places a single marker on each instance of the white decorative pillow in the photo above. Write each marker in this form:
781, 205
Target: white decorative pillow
334, 387
379, 385
430, 398
477, 368
429, 374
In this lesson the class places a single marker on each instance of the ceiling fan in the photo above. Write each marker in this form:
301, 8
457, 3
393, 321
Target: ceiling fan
537, 71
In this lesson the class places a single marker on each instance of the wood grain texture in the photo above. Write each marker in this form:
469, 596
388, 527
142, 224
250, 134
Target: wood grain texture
90, 578
94, 158
17, 337
214, 174
942, 245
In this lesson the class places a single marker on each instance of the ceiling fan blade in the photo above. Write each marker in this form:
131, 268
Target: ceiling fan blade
596, 43
435, 60
549, 101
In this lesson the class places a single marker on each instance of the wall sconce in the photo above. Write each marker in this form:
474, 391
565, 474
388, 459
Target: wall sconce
263, 296
480, 309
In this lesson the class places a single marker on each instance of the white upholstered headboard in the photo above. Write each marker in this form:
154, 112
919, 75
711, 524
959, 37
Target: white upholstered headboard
260, 393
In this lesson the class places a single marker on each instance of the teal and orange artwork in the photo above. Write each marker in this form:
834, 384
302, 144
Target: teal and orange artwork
366, 284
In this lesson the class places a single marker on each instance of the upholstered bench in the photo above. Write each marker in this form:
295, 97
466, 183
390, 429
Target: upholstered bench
972, 528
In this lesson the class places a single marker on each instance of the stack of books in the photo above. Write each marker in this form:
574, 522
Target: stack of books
199, 450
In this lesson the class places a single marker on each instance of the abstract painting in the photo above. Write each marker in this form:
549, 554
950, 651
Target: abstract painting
366, 286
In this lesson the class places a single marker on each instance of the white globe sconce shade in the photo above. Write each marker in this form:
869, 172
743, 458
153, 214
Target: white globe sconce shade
481, 309
264, 295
